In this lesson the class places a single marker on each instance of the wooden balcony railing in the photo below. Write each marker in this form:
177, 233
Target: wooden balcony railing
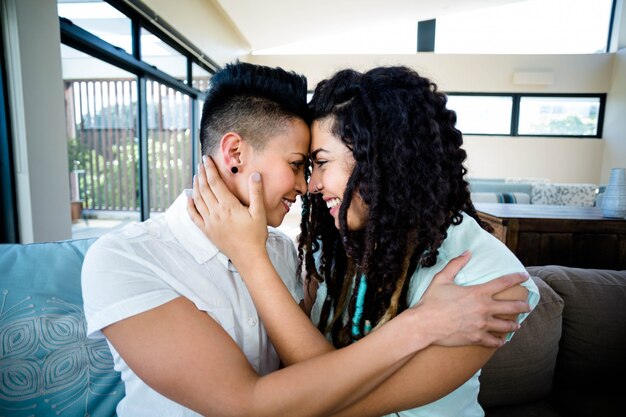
103, 148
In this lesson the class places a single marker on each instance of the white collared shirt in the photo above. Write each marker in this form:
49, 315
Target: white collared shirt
145, 265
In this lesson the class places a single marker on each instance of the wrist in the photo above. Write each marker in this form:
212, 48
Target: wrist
419, 335
249, 261
243, 250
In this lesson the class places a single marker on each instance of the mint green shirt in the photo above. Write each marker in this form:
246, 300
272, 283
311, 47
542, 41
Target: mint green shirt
490, 259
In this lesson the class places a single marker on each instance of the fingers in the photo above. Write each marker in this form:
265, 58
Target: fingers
204, 189
255, 186
502, 307
193, 213
452, 268
492, 341
217, 186
199, 197
504, 282
502, 326
495, 332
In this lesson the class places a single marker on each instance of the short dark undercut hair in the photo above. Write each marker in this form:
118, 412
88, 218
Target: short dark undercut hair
252, 100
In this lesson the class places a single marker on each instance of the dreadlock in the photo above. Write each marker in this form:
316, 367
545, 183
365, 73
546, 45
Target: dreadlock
409, 172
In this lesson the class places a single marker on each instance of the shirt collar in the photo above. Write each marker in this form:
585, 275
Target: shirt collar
190, 236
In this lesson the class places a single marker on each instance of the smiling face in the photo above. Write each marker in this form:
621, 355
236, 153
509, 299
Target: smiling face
332, 166
281, 163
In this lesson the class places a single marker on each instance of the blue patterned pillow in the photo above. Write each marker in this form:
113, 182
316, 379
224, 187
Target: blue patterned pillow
47, 365
502, 198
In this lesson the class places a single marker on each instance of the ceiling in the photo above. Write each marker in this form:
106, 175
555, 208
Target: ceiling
266, 24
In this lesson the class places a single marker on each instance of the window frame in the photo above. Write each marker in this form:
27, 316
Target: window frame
429, 30
142, 17
9, 229
515, 112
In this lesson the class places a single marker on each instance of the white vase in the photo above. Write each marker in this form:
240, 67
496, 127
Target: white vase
614, 199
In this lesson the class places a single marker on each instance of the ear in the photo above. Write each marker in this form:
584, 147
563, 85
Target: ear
230, 147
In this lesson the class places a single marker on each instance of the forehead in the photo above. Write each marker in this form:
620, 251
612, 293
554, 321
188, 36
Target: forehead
294, 138
322, 138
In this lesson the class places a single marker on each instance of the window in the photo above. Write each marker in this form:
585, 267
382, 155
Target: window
9, 232
563, 116
511, 27
199, 77
101, 19
482, 114
101, 114
529, 114
169, 144
133, 85
528, 27
158, 53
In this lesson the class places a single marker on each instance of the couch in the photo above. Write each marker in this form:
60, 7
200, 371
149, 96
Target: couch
569, 357
533, 191
48, 367
558, 364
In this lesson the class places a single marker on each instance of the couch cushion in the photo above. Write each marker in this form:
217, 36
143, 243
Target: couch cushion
593, 344
534, 409
564, 194
47, 365
503, 198
491, 186
522, 370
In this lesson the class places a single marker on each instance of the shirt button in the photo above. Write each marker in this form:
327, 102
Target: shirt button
252, 321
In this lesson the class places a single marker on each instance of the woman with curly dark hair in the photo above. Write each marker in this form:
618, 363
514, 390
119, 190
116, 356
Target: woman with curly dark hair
388, 208
386, 215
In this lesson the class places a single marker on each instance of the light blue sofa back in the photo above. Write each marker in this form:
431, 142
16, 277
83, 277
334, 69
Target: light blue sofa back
495, 186
48, 367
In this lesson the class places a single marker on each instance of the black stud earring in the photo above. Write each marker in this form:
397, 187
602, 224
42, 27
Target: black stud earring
234, 170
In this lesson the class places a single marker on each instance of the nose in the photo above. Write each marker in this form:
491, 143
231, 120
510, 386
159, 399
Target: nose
314, 185
301, 184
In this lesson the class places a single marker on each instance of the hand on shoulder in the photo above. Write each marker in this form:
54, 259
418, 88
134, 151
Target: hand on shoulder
469, 315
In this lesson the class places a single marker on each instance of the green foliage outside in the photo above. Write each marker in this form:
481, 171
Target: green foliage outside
570, 126
111, 172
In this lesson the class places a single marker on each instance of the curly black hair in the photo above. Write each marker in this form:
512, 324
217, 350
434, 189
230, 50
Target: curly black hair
408, 170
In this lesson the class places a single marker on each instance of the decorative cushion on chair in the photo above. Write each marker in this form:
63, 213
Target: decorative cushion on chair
47, 365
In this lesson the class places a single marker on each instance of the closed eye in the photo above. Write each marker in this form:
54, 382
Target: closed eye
297, 165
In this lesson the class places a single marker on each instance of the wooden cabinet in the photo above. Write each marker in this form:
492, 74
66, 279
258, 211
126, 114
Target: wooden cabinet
558, 235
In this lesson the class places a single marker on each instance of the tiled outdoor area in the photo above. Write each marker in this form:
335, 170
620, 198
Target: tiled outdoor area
96, 227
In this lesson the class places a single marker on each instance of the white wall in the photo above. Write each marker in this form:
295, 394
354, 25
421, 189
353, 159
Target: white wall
615, 119
35, 92
452, 72
205, 24
560, 160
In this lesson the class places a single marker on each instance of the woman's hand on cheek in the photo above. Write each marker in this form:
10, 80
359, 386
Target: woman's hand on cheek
237, 230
